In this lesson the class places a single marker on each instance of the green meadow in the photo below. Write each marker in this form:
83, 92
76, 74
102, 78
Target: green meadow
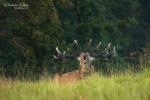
127, 86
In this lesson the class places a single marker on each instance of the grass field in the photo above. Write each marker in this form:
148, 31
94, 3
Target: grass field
128, 86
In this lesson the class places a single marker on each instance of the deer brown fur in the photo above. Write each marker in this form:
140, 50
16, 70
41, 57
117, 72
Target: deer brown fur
74, 75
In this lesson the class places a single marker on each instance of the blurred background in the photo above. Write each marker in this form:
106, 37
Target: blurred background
28, 37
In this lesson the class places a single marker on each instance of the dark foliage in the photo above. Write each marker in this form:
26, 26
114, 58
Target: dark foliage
28, 37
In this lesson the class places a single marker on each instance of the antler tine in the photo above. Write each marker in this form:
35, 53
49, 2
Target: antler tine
64, 52
75, 41
107, 50
90, 42
108, 47
114, 51
68, 49
55, 57
97, 46
58, 51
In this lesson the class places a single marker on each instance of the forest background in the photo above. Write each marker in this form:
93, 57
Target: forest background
28, 37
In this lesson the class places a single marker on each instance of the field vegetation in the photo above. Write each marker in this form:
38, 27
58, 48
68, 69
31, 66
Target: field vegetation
117, 86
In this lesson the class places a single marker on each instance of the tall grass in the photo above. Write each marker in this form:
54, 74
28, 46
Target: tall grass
127, 86
118, 85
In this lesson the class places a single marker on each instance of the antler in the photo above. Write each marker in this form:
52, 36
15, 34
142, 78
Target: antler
62, 55
97, 46
75, 41
90, 42
106, 53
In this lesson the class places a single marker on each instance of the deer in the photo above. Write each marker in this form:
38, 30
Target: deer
85, 61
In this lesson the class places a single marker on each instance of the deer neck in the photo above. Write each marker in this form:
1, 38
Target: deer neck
81, 69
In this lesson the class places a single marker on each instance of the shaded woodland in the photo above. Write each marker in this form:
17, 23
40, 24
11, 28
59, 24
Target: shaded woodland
28, 37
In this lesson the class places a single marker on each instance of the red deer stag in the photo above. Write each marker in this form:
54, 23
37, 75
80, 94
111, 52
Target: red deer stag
85, 61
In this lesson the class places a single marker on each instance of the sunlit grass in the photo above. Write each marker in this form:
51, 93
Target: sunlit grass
128, 86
